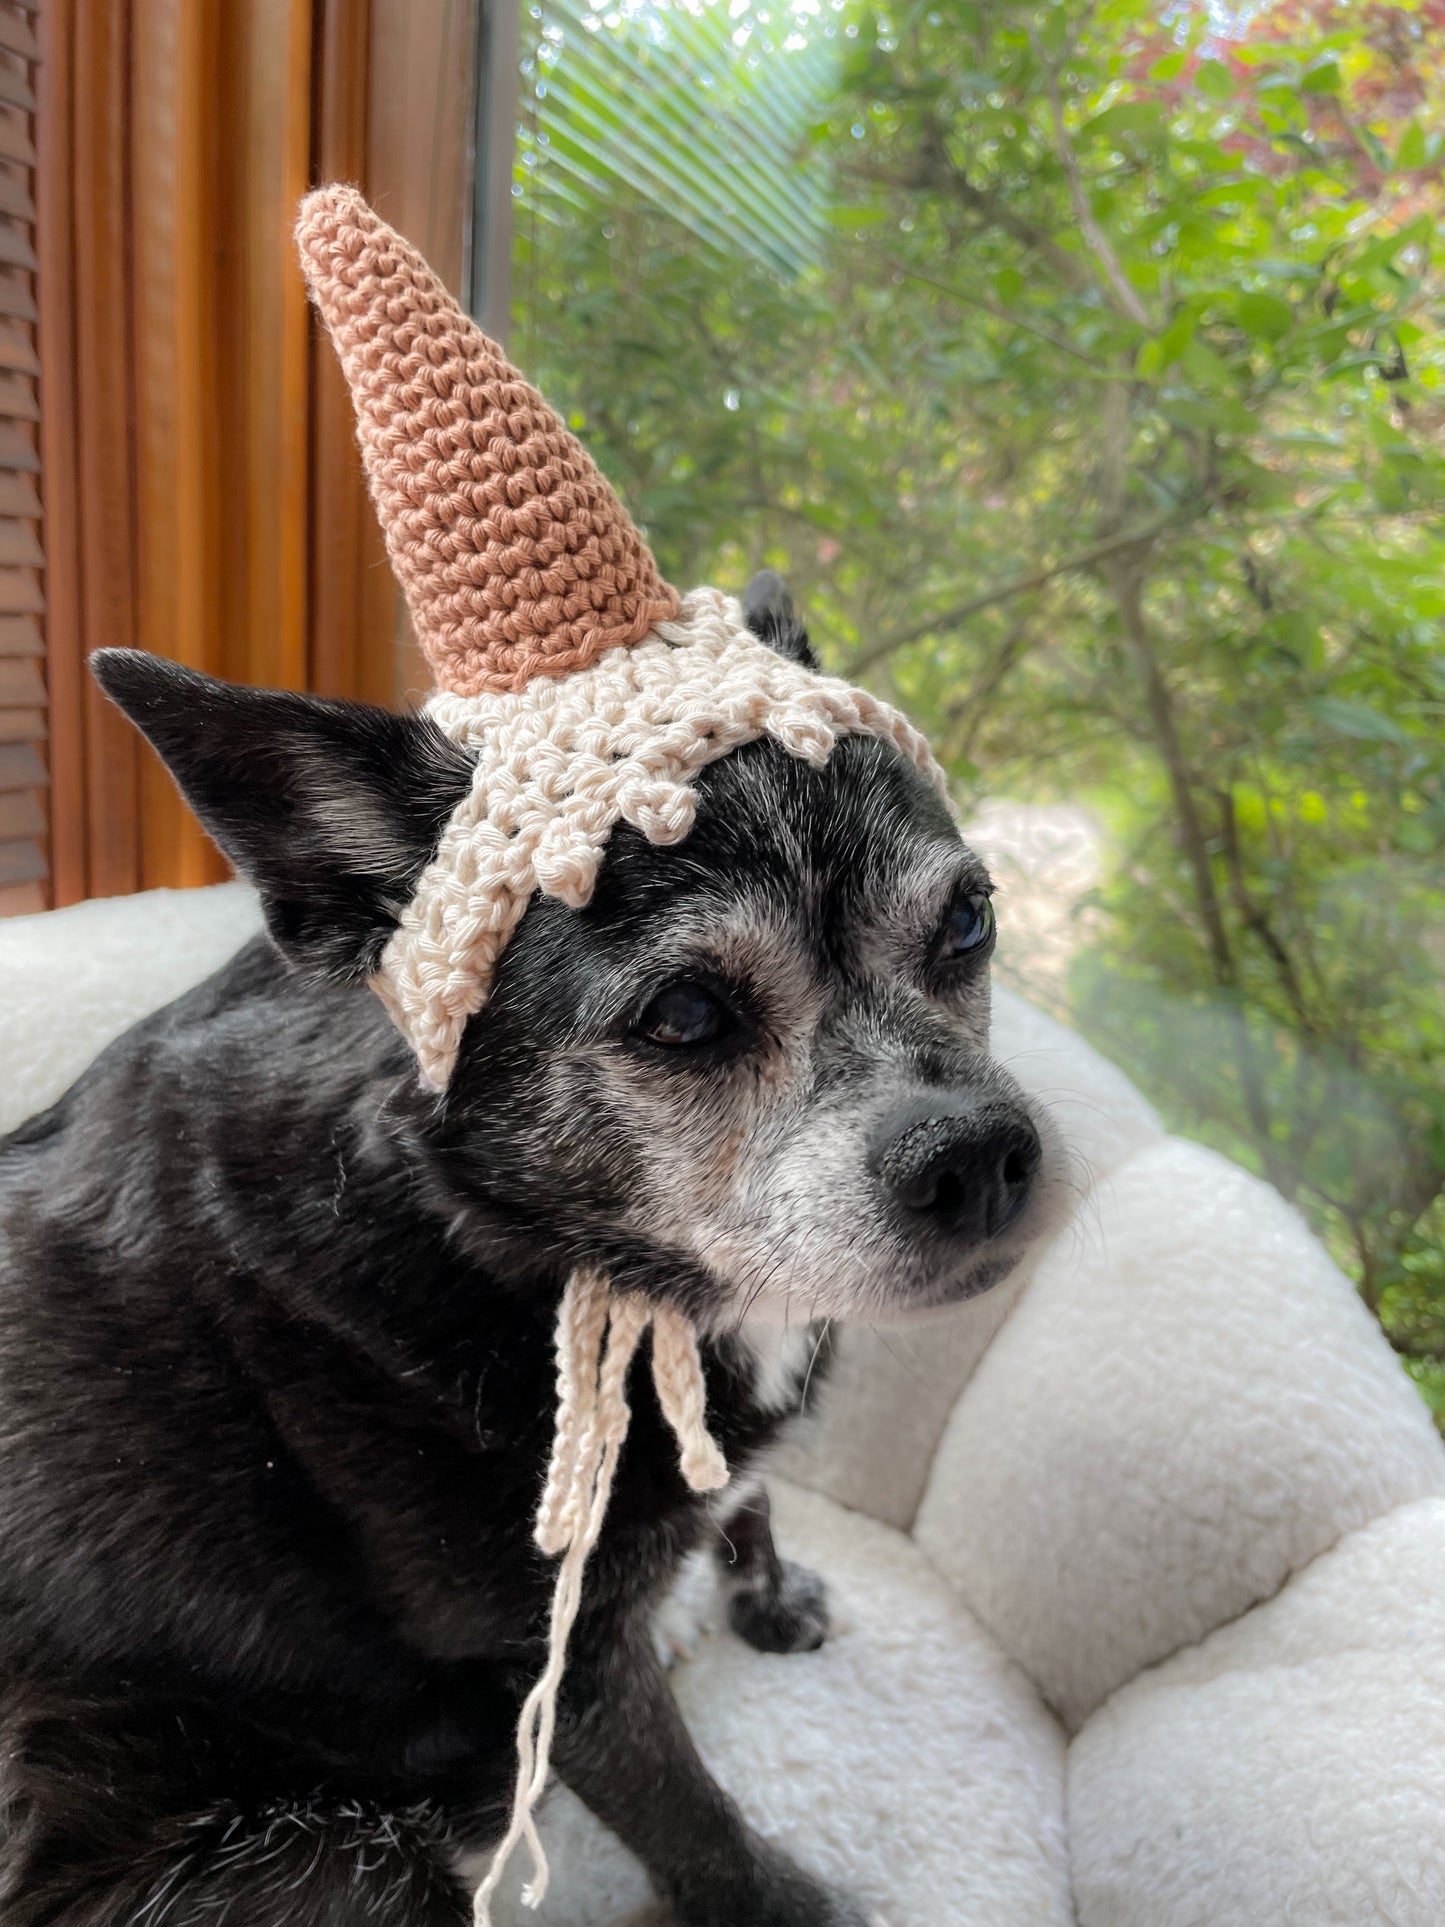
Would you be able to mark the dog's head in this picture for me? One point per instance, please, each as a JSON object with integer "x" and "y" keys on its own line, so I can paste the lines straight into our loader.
{"x": 752, "y": 1074}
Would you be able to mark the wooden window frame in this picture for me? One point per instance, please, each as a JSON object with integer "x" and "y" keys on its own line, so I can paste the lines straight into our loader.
{"x": 202, "y": 493}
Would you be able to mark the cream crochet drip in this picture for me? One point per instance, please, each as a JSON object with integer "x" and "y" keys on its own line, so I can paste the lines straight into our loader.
{"x": 562, "y": 760}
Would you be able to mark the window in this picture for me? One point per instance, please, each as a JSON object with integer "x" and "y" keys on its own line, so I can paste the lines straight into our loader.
{"x": 1083, "y": 370}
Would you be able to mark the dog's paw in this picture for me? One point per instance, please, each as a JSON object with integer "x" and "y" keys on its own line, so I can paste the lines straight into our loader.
{"x": 792, "y": 1617}
{"x": 688, "y": 1615}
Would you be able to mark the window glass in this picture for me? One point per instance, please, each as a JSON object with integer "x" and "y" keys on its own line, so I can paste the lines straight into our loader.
{"x": 1082, "y": 370}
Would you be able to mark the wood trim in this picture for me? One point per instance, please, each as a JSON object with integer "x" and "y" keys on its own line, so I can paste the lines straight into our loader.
{"x": 488, "y": 237}
{"x": 195, "y": 452}
{"x": 275, "y": 350}
{"x": 103, "y": 385}
{"x": 24, "y": 852}
{"x": 60, "y": 466}
{"x": 353, "y": 618}
{"x": 175, "y": 138}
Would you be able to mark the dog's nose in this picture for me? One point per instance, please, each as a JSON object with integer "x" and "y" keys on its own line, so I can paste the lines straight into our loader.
{"x": 958, "y": 1165}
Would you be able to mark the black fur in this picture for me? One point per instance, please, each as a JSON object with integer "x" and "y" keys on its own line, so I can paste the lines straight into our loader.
{"x": 342, "y": 803}
{"x": 276, "y": 1378}
{"x": 770, "y": 615}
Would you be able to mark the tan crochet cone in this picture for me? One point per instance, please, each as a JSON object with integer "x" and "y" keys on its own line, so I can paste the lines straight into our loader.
{"x": 516, "y": 558}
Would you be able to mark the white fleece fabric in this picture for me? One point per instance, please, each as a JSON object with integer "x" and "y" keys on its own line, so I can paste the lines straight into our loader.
{"x": 1189, "y": 1403}
{"x": 74, "y": 979}
{"x": 823, "y": 1752}
{"x": 1290, "y": 1769}
{"x": 1186, "y": 1430}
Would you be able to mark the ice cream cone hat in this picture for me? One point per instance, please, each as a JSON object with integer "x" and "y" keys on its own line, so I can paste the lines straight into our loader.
{"x": 586, "y": 687}
{"x": 588, "y": 692}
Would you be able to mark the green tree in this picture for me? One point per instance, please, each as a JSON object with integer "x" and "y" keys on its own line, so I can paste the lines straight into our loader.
{"x": 1097, "y": 411}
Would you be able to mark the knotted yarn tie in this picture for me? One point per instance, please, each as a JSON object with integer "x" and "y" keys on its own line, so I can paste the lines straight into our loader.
{"x": 598, "y": 1333}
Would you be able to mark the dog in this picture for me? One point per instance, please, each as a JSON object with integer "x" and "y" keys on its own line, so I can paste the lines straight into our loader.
{"x": 276, "y": 1365}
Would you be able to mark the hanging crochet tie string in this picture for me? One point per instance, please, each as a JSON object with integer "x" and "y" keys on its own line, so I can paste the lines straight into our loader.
{"x": 598, "y": 1333}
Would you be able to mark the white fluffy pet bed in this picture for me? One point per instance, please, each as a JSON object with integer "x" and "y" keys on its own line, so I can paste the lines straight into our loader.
{"x": 1142, "y": 1592}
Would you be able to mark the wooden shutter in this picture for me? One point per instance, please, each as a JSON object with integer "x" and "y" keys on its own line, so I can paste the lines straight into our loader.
{"x": 202, "y": 492}
{"x": 24, "y": 852}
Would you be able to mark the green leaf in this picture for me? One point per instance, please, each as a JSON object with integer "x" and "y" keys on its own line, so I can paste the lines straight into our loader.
{"x": 1387, "y": 438}
{"x": 1411, "y": 154}
{"x": 1206, "y": 368}
{"x": 1213, "y": 79}
{"x": 1357, "y": 719}
{"x": 1177, "y": 336}
{"x": 1008, "y": 285}
{"x": 1169, "y": 68}
{"x": 1322, "y": 78}
{"x": 1300, "y": 634}
{"x": 1264, "y": 315}
{"x": 1128, "y": 117}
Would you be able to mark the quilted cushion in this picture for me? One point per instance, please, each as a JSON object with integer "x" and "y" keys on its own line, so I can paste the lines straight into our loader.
{"x": 907, "y": 1760}
{"x": 1189, "y": 1403}
{"x": 1290, "y": 1769}
{"x": 75, "y": 979}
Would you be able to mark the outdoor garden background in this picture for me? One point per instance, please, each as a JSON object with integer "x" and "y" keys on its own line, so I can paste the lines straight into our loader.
{"x": 1082, "y": 368}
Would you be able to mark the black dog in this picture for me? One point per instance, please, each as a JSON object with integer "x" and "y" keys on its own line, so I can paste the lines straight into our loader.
{"x": 276, "y": 1373}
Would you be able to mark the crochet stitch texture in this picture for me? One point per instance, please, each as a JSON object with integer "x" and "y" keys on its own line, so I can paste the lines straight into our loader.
{"x": 516, "y": 557}
{"x": 559, "y": 763}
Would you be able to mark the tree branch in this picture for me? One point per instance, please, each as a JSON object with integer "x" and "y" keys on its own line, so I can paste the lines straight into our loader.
{"x": 970, "y": 708}
{"x": 1117, "y": 285}
{"x": 1006, "y": 315}
{"x": 1255, "y": 919}
{"x": 1110, "y": 545}
{"x": 1128, "y": 596}
{"x": 936, "y": 174}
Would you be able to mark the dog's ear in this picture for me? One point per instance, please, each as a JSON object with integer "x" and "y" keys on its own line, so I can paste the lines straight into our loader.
{"x": 768, "y": 612}
{"x": 331, "y": 809}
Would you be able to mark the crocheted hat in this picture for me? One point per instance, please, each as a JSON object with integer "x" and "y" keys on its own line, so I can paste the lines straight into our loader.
{"x": 586, "y": 689}
{"x": 588, "y": 693}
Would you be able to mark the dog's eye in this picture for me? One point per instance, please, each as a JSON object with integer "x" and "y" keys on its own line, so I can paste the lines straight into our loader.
{"x": 685, "y": 1014}
{"x": 967, "y": 928}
